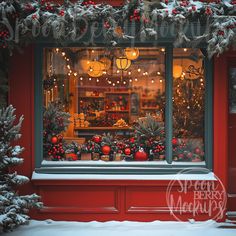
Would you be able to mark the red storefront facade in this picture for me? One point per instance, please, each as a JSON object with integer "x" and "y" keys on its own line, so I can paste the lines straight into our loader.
{"x": 118, "y": 198}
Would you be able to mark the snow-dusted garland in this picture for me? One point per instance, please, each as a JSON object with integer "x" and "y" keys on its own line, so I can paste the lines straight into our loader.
{"x": 22, "y": 22}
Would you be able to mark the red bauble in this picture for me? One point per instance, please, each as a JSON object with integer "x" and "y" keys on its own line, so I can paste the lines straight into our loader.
{"x": 106, "y": 150}
{"x": 174, "y": 141}
{"x": 181, "y": 156}
{"x": 140, "y": 156}
{"x": 127, "y": 151}
{"x": 197, "y": 150}
{"x": 132, "y": 140}
{"x": 72, "y": 156}
{"x": 97, "y": 139}
{"x": 54, "y": 139}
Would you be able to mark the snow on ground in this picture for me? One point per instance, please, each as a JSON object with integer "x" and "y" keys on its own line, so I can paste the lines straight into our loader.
{"x": 125, "y": 228}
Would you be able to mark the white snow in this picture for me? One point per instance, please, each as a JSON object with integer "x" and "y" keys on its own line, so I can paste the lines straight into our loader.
{"x": 125, "y": 228}
{"x": 40, "y": 176}
{"x": 113, "y": 163}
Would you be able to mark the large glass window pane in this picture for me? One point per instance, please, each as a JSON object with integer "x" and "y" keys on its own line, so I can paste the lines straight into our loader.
{"x": 188, "y": 105}
{"x": 104, "y": 104}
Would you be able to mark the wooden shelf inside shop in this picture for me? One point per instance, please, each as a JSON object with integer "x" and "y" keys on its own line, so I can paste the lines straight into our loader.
{"x": 97, "y": 97}
{"x": 149, "y": 108}
{"x": 117, "y": 93}
{"x": 117, "y": 111}
{"x": 104, "y": 128}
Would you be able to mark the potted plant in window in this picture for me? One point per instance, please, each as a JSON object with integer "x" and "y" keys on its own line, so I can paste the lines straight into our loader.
{"x": 149, "y": 136}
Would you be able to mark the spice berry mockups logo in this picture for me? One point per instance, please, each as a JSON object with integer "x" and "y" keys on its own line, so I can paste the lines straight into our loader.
{"x": 198, "y": 197}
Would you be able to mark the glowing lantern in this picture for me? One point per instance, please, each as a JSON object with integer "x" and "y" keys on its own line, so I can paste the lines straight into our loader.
{"x": 107, "y": 62}
{"x": 177, "y": 71}
{"x": 96, "y": 69}
{"x": 123, "y": 63}
{"x": 131, "y": 53}
{"x": 85, "y": 64}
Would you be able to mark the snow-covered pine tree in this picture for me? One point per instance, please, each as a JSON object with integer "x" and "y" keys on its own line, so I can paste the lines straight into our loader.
{"x": 13, "y": 207}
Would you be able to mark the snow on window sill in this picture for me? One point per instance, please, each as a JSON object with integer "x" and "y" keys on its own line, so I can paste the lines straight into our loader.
{"x": 115, "y": 163}
{"x": 40, "y": 176}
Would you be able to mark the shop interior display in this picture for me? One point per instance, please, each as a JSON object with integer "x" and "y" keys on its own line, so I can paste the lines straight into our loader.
{"x": 112, "y": 98}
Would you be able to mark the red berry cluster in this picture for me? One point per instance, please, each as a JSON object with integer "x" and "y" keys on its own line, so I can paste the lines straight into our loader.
{"x": 194, "y": 8}
{"x": 4, "y": 34}
{"x": 180, "y": 146}
{"x": 34, "y": 16}
{"x": 106, "y": 25}
{"x": 233, "y": 2}
{"x": 59, "y": 121}
{"x": 87, "y": 3}
{"x": 208, "y": 11}
{"x": 56, "y": 151}
{"x": 231, "y": 26}
{"x": 159, "y": 148}
{"x": 221, "y": 32}
{"x": 135, "y": 16}
{"x": 49, "y": 7}
{"x": 175, "y": 11}
{"x": 61, "y": 13}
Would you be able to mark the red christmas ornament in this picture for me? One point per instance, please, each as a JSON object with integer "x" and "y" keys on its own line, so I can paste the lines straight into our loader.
{"x": 106, "y": 150}
{"x": 208, "y": 11}
{"x": 72, "y": 156}
{"x": 97, "y": 139}
{"x": 174, "y": 141}
{"x": 181, "y": 156}
{"x": 61, "y": 13}
{"x": 132, "y": 140}
{"x": 34, "y": 17}
{"x": 127, "y": 151}
{"x": 140, "y": 155}
{"x": 54, "y": 139}
{"x": 197, "y": 150}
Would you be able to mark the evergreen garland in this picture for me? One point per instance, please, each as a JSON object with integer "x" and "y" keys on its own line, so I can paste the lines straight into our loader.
{"x": 24, "y": 21}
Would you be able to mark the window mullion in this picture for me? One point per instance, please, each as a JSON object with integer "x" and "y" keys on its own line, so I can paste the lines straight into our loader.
{"x": 169, "y": 104}
{"x": 208, "y": 112}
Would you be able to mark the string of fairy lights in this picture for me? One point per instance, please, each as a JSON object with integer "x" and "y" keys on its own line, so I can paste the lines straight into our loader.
{"x": 128, "y": 75}
{"x": 114, "y": 80}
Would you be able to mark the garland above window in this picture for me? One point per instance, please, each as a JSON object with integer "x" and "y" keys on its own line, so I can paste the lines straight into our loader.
{"x": 23, "y": 22}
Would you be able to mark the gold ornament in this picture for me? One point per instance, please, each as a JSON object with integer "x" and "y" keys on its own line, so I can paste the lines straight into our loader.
{"x": 132, "y": 53}
{"x": 96, "y": 69}
{"x": 177, "y": 71}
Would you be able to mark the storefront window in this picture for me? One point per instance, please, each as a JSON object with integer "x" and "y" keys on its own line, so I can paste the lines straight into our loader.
{"x": 188, "y": 105}
{"x": 110, "y": 105}
{"x": 104, "y": 104}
